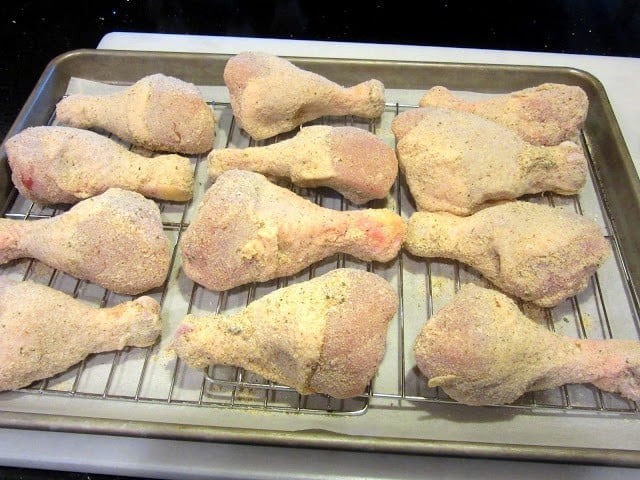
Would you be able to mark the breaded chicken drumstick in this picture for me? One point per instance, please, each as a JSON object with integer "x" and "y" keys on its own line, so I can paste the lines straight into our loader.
{"x": 326, "y": 335}
{"x": 270, "y": 95}
{"x": 158, "y": 112}
{"x": 65, "y": 165}
{"x": 349, "y": 160}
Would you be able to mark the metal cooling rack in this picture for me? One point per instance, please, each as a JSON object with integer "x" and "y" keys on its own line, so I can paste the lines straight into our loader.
{"x": 145, "y": 375}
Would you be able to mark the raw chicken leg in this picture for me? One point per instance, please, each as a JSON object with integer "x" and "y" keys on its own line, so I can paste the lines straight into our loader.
{"x": 538, "y": 253}
{"x": 326, "y": 335}
{"x": 114, "y": 239}
{"x": 250, "y": 230}
{"x": 544, "y": 115}
{"x": 157, "y": 112}
{"x": 45, "y": 331}
{"x": 65, "y": 165}
{"x": 482, "y": 350}
{"x": 458, "y": 162}
{"x": 270, "y": 95}
{"x": 349, "y": 160}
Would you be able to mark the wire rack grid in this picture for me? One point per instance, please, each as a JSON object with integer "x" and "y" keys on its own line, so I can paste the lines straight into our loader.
{"x": 424, "y": 286}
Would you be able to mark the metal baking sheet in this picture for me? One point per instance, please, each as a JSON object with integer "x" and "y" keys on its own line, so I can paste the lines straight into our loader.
{"x": 145, "y": 392}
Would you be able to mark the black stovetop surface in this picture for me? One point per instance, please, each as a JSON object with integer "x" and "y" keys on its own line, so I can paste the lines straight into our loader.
{"x": 36, "y": 31}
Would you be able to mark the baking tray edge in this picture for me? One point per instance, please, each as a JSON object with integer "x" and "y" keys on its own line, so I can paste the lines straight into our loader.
{"x": 322, "y": 439}
{"x": 619, "y": 184}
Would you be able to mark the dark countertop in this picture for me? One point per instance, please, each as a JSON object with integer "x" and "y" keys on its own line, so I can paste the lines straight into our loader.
{"x": 36, "y": 31}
